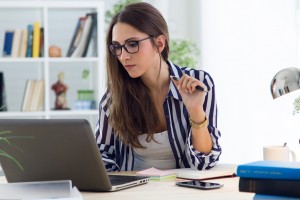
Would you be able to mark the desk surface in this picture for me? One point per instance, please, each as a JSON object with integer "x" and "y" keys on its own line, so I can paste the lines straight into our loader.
{"x": 167, "y": 190}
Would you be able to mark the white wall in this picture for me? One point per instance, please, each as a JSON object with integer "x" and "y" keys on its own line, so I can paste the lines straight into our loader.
{"x": 243, "y": 44}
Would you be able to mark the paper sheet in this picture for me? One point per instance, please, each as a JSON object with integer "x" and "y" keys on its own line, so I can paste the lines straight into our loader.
{"x": 44, "y": 190}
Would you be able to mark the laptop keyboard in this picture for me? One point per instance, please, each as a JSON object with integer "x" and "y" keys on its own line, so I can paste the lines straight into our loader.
{"x": 121, "y": 179}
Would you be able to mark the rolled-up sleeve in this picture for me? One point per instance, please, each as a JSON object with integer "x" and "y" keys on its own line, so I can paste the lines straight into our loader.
{"x": 201, "y": 160}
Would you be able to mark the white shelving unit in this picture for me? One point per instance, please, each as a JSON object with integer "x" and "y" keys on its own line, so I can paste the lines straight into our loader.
{"x": 59, "y": 19}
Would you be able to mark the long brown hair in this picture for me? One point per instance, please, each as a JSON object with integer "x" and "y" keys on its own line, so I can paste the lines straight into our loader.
{"x": 132, "y": 111}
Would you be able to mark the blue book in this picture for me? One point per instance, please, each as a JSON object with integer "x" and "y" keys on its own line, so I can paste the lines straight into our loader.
{"x": 273, "y": 197}
{"x": 29, "y": 41}
{"x": 8, "y": 40}
{"x": 270, "y": 170}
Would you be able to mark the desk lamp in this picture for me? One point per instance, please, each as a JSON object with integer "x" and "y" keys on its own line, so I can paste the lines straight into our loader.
{"x": 285, "y": 81}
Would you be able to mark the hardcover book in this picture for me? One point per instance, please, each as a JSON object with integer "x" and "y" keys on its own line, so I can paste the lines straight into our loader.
{"x": 15, "y": 51}
{"x": 76, "y": 36}
{"x": 92, "y": 31}
{"x": 29, "y": 41}
{"x": 279, "y": 187}
{"x": 3, "y": 106}
{"x": 78, "y": 52}
{"x": 8, "y": 40}
{"x": 36, "y": 40}
{"x": 270, "y": 170}
{"x": 23, "y": 45}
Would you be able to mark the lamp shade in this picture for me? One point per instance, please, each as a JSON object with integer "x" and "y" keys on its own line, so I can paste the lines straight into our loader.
{"x": 285, "y": 81}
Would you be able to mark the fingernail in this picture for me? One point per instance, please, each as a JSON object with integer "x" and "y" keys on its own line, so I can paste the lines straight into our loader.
{"x": 175, "y": 78}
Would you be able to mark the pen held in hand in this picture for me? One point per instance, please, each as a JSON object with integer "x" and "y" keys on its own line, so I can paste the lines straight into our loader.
{"x": 198, "y": 87}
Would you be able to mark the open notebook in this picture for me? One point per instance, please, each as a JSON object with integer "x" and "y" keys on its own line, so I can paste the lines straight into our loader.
{"x": 58, "y": 149}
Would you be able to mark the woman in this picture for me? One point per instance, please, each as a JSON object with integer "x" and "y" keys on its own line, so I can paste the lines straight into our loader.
{"x": 152, "y": 115}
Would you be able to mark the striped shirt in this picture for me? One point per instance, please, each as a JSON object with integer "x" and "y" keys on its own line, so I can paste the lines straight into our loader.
{"x": 118, "y": 156}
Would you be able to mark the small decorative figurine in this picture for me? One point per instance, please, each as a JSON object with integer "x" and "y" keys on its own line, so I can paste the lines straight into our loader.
{"x": 60, "y": 90}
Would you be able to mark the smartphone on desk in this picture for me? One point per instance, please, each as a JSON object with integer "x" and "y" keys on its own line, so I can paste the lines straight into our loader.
{"x": 200, "y": 185}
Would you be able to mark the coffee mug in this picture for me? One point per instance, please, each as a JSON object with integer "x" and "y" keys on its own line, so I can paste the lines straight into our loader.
{"x": 278, "y": 153}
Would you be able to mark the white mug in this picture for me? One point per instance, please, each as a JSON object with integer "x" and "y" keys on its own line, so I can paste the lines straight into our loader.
{"x": 278, "y": 153}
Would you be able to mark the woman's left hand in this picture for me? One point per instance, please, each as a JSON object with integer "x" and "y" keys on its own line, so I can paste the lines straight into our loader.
{"x": 192, "y": 98}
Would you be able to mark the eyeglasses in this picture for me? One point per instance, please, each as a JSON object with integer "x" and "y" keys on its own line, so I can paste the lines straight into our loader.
{"x": 130, "y": 46}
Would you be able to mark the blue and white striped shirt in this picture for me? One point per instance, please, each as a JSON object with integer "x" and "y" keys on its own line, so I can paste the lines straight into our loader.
{"x": 120, "y": 157}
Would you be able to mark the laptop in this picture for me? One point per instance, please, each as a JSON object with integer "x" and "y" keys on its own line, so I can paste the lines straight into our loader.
{"x": 58, "y": 149}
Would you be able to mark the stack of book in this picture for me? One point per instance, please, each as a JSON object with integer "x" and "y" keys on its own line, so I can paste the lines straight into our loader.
{"x": 21, "y": 43}
{"x": 85, "y": 32}
{"x": 277, "y": 178}
{"x": 156, "y": 174}
{"x": 33, "y": 99}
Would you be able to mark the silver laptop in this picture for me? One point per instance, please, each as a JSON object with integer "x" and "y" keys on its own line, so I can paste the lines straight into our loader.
{"x": 58, "y": 149}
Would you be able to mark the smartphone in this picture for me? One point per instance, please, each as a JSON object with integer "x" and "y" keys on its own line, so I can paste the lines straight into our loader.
{"x": 200, "y": 185}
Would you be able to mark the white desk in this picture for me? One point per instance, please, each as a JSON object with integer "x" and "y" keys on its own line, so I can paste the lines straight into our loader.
{"x": 167, "y": 190}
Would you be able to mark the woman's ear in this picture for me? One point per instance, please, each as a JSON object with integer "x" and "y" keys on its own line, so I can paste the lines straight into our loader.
{"x": 160, "y": 43}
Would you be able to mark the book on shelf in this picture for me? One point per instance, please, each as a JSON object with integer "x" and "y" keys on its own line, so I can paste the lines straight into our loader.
{"x": 280, "y": 187}
{"x": 36, "y": 39}
{"x": 84, "y": 35}
{"x": 23, "y": 45}
{"x": 270, "y": 169}
{"x": 76, "y": 36}
{"x": 33, "y": 96}
{"x": 78, "y": 52}
{"x": 29, "y": 40}
{"x": 92, "y": 34}
{"x": 26, "y": 96}
{"x": 3, "y": 106}
{"x": 15, "y": 51}
{"x": 8, "y": 41}
{"x": 41, "y": 49}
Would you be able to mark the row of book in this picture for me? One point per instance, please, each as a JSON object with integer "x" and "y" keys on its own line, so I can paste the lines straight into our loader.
{"x": 276, "y": 178}
{"x": 21, "y": 43}
{"x": 34, "y": 95}
{"x": 84, "y": 35}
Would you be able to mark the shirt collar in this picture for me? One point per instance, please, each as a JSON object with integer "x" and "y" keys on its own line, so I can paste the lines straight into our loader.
{"x": 177, "y": 72}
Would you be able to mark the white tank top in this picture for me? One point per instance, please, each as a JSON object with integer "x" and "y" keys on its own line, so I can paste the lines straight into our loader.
{"x": 156, "y": 154}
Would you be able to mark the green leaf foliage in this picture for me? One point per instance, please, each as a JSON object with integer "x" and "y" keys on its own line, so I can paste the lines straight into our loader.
{"x": 184, "y": 53}
{"x": 117, "y": 7}
{"x": 5, "y": 138}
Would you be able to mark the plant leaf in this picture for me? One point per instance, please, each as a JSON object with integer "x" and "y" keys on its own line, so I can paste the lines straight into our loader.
{"x": 3, "y": 153}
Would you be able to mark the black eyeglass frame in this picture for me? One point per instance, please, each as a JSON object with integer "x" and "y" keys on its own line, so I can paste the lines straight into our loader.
{"x": 111, "y": 46}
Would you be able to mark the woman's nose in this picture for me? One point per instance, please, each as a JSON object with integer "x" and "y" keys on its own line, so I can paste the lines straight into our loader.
{"x": 124, "y": 55}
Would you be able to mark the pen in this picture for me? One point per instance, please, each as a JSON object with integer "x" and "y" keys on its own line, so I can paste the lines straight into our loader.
{"x": 198, "y": 87}
{"x": 210, "y": 178}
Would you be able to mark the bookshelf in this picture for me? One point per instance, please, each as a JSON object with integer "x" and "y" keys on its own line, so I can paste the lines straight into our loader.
{"x": 58, "y": 19}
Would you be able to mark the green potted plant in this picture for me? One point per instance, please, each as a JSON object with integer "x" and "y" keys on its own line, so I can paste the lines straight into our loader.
{"x": 296, "y": 105}
{"x": 183, "y": 52}
{"x": 5, "y": 139}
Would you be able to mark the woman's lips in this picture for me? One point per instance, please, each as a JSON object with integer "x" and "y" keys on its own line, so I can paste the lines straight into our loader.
{"x": 129, "y": 66}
